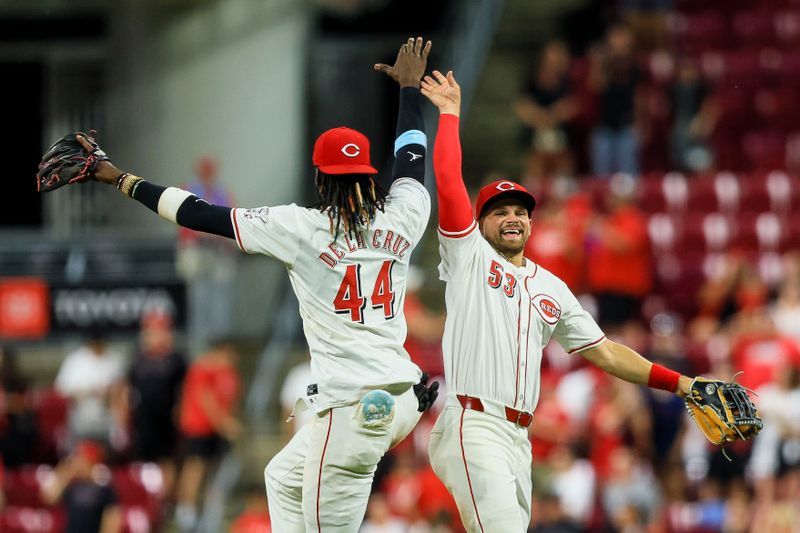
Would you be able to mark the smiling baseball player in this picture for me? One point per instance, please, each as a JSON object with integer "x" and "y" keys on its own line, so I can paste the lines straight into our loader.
{"x": 502, "y": 309}
{"x": 347, "y": 259}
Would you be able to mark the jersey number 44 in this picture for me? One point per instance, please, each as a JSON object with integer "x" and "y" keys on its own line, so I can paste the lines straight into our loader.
{"x": 351, "y": 300}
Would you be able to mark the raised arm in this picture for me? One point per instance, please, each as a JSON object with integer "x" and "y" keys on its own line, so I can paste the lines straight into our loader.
{"x": 176, "y": 205}
{"x": 455, "y": 207}
{"x": 410, "y": 144}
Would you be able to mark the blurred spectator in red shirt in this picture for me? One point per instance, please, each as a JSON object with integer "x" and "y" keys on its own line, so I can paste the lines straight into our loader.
{"x": 545, "y": 107}
{"x": 758, "y": 348}
{"x": 254, "y": 518}
{"x": 208, "y": 422}
{"x": 619, "y": 264}
{"x": 556, "y": 243}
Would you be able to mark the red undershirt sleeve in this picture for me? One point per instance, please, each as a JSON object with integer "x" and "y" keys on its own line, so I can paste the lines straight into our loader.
{"x": 455, "y": 207}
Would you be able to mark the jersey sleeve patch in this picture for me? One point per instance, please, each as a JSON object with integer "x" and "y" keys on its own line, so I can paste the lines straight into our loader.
{"x": 270, "y": 231}
{"x": 548, "y": 308}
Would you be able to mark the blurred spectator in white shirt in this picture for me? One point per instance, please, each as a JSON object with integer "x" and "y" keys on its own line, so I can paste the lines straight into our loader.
{"x": 91, "y": 377}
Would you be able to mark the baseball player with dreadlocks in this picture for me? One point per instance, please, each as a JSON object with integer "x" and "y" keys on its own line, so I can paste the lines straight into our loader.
{"x": 347, "y": 259}
{"x": 502, "y": 309}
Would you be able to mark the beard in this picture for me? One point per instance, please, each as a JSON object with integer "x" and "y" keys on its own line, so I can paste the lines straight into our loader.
{"x": 508, "y": 248}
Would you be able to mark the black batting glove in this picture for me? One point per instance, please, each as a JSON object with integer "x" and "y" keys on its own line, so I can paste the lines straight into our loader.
{"x": 426, "y": 394}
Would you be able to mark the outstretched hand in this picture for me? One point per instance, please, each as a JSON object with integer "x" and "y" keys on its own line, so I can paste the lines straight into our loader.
{"x": 443, "y": 92}
{"x": 105, "y": 172}
{"x": 410, "y": 64}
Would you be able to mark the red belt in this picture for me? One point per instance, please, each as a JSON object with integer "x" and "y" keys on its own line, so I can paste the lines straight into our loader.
{"x": 520, "y": 418}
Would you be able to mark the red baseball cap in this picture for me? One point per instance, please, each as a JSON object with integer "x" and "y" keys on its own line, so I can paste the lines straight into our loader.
{"x": 343, "y": 151}
{"x": 499, "y": 188}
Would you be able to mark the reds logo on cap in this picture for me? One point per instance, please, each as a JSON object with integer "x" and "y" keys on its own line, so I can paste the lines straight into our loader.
{"x": 548, "y": 308}
{"x": 351, "y": 150}
{"x": 489, "y": 192}
{"x": 343, "y": 151}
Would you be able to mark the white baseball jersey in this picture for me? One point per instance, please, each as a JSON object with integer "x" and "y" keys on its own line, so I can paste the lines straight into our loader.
{"x": 351, "y": 292}
{"x": 499, "y": 317}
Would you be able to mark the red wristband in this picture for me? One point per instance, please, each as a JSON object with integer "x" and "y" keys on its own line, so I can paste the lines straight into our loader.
{"x": 663, "y": 378}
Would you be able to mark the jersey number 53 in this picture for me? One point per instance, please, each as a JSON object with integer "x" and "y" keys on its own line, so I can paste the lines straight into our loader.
{"x": 349, "y": 298}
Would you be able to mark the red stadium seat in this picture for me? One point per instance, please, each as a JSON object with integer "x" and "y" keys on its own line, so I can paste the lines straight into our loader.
{"x": 765, "y": 150}
{"x": 136, "y": 519}
{"x": 663, "y": 232}
{"x": 702, "y": 195}
{"x": 651, "y": 196}
{"x": 32, "y": 520}
{"x": 140, "y": 486}
{"x": 742, "y": 68}
{"x": 776, "y": 108}
{"x": 755, "y": 196}
{"x": 51, "y": 414}
{"x": 695, "y": 32}
{"x": 22, "y": 485}
{"x": 753, "y": 29}
{"x": 787, "y": 28}
{"x": 678, "y": 278}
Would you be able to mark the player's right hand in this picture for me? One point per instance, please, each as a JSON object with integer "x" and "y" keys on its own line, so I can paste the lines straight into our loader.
{"x": 410, "y": 64}
{"x": 443, "y": 92}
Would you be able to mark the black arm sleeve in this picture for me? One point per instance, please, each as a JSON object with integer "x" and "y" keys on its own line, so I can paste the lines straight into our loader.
{"x": 410, "y": 147}
{"x": 194, "y": 213}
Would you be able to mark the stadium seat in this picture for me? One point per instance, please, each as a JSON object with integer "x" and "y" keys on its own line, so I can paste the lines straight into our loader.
{"x": 32, "y": 520}
{"x": 22, "y": 485}
{"x": 765, "y": 150}
{"x": 140, "y": 485}
{"x": 753, "y": 29}
{"x": 678, "y": 277}
{"x": 787, "y": 28}
{"x": 663, "y": 232}
{"x": 695, "y": 32}
{"x": 702, "y": 195}
{"x": 651, "y": 197}
{"x": 755, "y": 197}
{"x": 136, "y": 519}
{"x": 51, "y": 414}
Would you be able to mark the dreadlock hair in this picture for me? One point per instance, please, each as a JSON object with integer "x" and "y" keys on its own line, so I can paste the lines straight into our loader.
{"x": 349, "y": 200}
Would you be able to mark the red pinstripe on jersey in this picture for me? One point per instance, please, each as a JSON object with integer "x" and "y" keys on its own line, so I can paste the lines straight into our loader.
{"x": 516, "y": 375}
{"x": 527, "y": 339}
{"x": 466, "y": 468}
{"x": 321, "y": 462}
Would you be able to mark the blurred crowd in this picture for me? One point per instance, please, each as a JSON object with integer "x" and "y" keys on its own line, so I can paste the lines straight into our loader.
{"x": 116, "y": 444}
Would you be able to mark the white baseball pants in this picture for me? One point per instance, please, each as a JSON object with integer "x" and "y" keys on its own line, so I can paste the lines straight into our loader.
{"x": 321, "y": 480}
{"x": 485, "y": 463}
